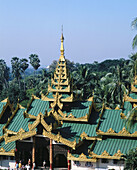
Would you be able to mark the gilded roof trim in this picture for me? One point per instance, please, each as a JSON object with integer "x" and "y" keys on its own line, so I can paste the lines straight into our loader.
{"x": 130, "y": 99}
{"x": 85, "y": 136}
{"x": 13, "y": 114}
{"x": 81, "y": 157}
{"x": 105, "y": 155}
{"x": 111, "y": 132}
{"x": 133, "y": 88}
{"x": 5, "y": 107}
{"x": 9, "y": 153}
{"x": 60, "y": 139}
{"x": 27, "y": 115}
{"x": 40, "y": 119}
{"x": 20, "y": 135}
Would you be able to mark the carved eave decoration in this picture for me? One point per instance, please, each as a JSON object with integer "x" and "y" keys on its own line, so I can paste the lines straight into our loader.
{"x": 1, "y": 138}
{"x": 9, "y": 153}
{"x": 13, "y": 114}
{"x": 20, "y": 135}
{"x": 8, "y": 103}
{"x": 68, "y": 99}
{"x": 58, "y": 89}
{"x": 45, "y": 98}
{"x": 90, "y": 99}
{"x": 5, "y": 107}
{"x": 81, "y": 157}
{"x": 61, "y": 83}
{"x": 123, "y": 116}
{"x": 117, "y": 108}
{"x": 72, "y": 118}
{"x": 133, "y": 88}
{"x": 40, "y": 119}
{"x": 55, "y": 115}
{"x": 57, "y": 98}
{"x": 85, "y": 136}
{"x": 9, "y": 132}
{"x": 134, "y": 105}
{"x": 123, "y": 132}
{"x": 60, "y": 139}
{"x": 105, "y": 155}
{"x": 130, "y": 99}
{"x": 61, "y": 113}
{"x": 27, "y": 115}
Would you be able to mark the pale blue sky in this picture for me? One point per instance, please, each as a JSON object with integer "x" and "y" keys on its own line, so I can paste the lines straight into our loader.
{"x": 94, "y": 30}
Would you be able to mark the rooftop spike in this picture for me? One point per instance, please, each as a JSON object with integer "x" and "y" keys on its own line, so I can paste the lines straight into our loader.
{"x": 62, "y": 58}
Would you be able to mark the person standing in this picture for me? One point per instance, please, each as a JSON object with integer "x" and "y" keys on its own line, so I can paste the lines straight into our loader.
{"x": 33, "y": 166}
{"x": 16, "y": 165}
{"x": 20, "y": 165}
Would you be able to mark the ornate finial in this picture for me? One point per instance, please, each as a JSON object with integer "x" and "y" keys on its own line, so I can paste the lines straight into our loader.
{"x": 62, "y": 47}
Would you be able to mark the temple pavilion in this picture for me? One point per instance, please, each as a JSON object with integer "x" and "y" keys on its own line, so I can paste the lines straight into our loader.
{"x": 65, "y": 131}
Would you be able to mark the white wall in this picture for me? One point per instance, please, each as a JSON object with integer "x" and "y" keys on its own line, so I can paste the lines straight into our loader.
{"x": 82, "y": 166}
{"x": 4, "y": 163}
{"x": 98, "y": 165}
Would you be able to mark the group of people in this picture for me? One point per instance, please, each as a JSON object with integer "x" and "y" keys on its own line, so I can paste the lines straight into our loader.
{"x": 28, "y": 166}
{"x": 19, "y": 166}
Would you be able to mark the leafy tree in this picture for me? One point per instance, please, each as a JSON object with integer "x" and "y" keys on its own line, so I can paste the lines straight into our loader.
{"x": 131, "y": 160}
{"x": 16, "y": 68}
{"x": 34, "y": 61}
{"x": 134, "y": 26}
{"x": 24, "y": 66}
{"x": 82, "y": 79}
{"x": 4, "y": 73}
{"x": 15, "y": 92}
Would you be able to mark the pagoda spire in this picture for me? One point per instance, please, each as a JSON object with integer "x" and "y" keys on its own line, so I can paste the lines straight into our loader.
{"x": 62, "y": 57}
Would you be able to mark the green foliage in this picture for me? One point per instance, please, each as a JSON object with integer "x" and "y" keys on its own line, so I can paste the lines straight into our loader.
{"x": 134, "y": 26}
{"x": 108, "y": 80}
{"x": 131, "y": 118}
{"x": 16, "y": 69}
{"x": 34, "y": 61}
{"x": 24, "y": 64}
{"x": 131, "y": 160}
{"x": 4, "y": 74}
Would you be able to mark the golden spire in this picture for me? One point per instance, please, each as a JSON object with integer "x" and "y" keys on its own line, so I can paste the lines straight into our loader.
{"x": 62, "y": 58}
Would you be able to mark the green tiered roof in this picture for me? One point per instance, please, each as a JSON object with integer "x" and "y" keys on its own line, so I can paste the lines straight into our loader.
{"x": 111, "y": 119}
{"x": 111, "y": 146}
{"x": 91, "y": 134}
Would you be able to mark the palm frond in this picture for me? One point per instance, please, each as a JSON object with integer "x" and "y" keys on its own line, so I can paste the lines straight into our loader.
{"x": 134, "y": 43}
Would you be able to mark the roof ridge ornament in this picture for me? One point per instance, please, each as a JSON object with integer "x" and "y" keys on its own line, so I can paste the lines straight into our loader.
{"x": 62, "y": 57}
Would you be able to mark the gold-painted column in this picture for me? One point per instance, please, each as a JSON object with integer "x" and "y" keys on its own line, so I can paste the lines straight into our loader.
{"x": 51, "y": 159}
{"x": 33, "y": 150}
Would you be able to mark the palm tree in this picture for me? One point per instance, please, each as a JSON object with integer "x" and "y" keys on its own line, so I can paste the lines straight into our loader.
{"x": 16, "y": 68}
{"x": 83, "y": 81}
{"x": 34, "y": 61}
{"x": 131, "y": 118}
{"x": 102, "y": 92}
{"x": 24, "y": 66}
{"x": 134, "y": 26}
{"x": 4, "y": 73}
{"x": 118, "y": 87}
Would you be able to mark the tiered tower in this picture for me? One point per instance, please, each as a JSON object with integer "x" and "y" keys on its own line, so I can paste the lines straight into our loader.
{"x": 60, "y": 88}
